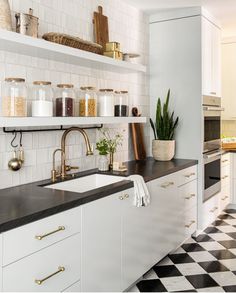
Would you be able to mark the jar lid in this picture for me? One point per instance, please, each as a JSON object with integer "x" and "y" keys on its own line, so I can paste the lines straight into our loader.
{"x": 14, "y": 79}
{"x": 106, "y": 90}
{"x": 38, "y": 82}
{"x": 90, "y": 88}
{"x": 65, "y": 85}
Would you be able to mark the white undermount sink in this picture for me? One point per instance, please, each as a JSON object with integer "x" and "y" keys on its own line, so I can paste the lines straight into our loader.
{"x": 86, "y": 183}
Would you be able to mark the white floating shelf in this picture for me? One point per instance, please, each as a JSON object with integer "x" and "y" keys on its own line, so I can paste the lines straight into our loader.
{"x": 21, "y": 44}
{"x": 57, "y": 121}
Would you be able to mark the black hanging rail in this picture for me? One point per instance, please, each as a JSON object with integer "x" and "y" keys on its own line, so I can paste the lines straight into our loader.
{"x": 7, "y": 130}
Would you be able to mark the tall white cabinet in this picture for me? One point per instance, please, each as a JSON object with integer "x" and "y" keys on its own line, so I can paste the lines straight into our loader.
{"x": 211, "y": 58}
{"x": 185, "y": 56}
{"x": 229, "y": 78}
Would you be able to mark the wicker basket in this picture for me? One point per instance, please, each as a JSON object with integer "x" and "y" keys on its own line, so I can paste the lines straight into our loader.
{"x": 73, "y": 42}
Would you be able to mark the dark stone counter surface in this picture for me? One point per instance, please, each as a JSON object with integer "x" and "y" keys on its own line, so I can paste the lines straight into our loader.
{"x": 30, "y": 202}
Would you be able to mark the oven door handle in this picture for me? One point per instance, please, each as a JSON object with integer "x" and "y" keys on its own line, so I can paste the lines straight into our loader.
{"x": 216, "y": 154}
{"x": 207, "y": 108}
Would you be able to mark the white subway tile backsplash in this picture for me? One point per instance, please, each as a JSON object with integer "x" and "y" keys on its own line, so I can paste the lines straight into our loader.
{"x": 126, "y": 25}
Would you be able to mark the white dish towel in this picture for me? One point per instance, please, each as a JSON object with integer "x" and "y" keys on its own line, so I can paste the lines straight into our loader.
{"x": 141, "y": 193}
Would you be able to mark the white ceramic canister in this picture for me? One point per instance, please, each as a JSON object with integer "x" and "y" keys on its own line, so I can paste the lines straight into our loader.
{"x": 42, "y": 104}
{"x": 106, "y": 103}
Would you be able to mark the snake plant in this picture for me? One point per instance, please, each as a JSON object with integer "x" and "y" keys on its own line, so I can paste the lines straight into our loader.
{"x": 165, "y": 124}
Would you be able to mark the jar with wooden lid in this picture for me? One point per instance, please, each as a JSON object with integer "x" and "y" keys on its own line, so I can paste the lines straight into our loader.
{"x": 65, "y": 100}
{"x": 42, "y": 103}
{"x": 88, "y": 102}
{"x": 121, "y": 104}
{"x": 14, "y": 97}
{"x": 106, "y": 103}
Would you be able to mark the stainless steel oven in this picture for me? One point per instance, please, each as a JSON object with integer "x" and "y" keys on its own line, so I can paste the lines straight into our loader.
{"x": 212, "y": 123}
{"x": 212, "y": 173}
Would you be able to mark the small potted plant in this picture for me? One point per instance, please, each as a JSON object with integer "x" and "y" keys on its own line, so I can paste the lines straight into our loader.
{"x": 109, "y": 143}
{"x": 103, "y": 149}
{"x": 163, "y": 145}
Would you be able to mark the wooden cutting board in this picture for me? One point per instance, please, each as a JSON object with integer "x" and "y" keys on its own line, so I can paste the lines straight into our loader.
{"x": 138, "y": 139}
{"x": 101, "y": 31}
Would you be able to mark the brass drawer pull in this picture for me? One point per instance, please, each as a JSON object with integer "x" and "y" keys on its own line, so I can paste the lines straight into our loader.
{"x": 40, "y": 237}
{"x": 224, "y": 177}
{"x": 165, "y": 185}
{"x": 188, "y": 226}
{"x": 190, "y": 175}
{"x": 225, "y": 161}
{"x": 214, "y": 209}
{"x": 60, "y": 270}
{"x": 191, "y": 196}
{"x": 126, "y": 196}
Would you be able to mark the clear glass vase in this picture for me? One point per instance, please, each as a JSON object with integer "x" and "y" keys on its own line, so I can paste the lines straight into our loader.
{"x": 103, "y": 163}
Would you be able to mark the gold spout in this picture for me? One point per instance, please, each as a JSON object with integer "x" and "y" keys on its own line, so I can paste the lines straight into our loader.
{"x": 89, "y": 151}
{"x": 54, "y": 173}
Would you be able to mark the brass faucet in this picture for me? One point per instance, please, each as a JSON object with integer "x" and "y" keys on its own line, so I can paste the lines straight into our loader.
{"x": 54, "y": 173}
{"x": 64, "y": 167}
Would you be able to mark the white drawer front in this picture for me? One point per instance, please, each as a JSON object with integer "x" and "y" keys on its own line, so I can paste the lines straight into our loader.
{"x": 187, "y": 175}
{"x": 224, "y": 198}
{"x": 225, "y": 160}
{"x": 191, "y": 221}
{"x": 26, "y": 274}
{"x": 225, "y": 175}
{"x": 74, "y": 288}
{"x": 189, "y": 193}
{"x": 166, "y": 183}
{"x": 210, "y": 210}
{"x": 22, "y": 241}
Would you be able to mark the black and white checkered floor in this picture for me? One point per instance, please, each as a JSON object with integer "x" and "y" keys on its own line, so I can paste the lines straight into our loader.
{"x": 203, "y": 264}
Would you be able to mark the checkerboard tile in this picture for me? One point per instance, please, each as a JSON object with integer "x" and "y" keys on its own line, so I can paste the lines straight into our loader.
{"x": 206, "y": 263}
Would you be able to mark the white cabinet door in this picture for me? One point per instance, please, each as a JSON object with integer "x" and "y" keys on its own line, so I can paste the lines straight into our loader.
{"x": 229, "y": 81}
{"x": 211, "y": 58}
{"x": 216, "y": 61}
{"x": 101, "y": 245}
{"x": 206, "y": 56}
{"x": 167, "y": 220}
{"x": 136, "y": 240}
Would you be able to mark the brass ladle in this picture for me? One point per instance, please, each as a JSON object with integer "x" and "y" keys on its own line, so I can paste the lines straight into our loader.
{"x": 16, "y": 162}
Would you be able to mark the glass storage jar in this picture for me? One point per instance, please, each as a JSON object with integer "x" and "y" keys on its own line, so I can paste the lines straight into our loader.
{"x": 106, "y": 103}
{"x": 121, "y": 104}
{"x": 42, "y": 103}
{"x": 88, "y": 102}
{"x": 14, "y": 97}
{"x": 65, "y": 100}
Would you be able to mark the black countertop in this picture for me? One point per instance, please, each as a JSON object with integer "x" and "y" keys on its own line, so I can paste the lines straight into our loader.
{"x": 30, "y": 202}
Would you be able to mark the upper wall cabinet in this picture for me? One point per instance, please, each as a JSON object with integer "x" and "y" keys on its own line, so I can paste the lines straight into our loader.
{"x": 229, "y": 80}
{"x": 211, "y": 58}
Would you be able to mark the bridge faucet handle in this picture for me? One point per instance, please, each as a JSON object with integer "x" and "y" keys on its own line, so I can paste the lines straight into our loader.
{"x": 69, "y": 168}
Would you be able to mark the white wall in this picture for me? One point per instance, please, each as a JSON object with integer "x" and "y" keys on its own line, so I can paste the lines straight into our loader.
{"x": 127, "y": 26}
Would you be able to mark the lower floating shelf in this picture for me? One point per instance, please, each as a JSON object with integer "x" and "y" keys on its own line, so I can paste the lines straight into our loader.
{"x": 57, "y": 121}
